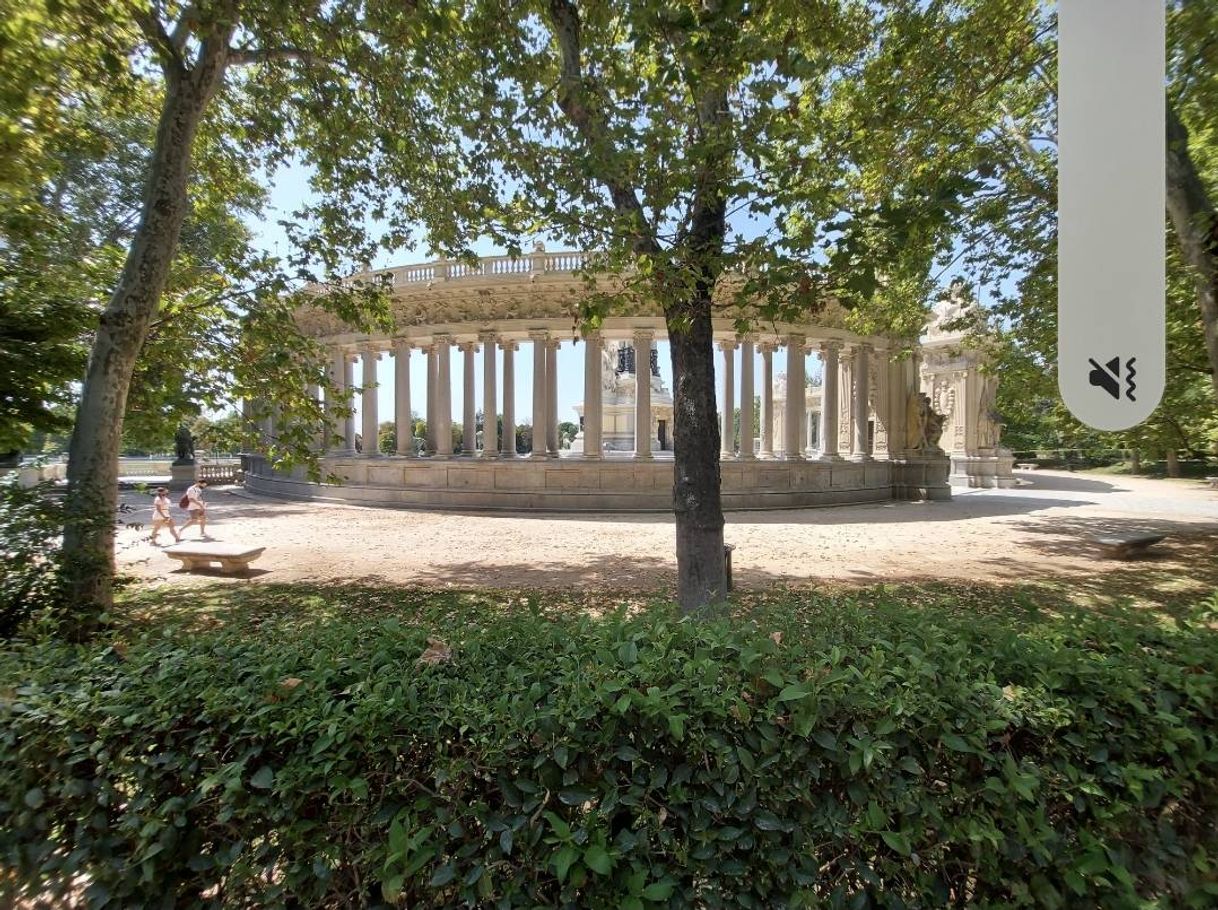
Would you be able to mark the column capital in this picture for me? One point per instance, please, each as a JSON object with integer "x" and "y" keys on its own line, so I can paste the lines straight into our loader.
{"x": 747, "y": 338}
{"x": 832, "y": 346}
{"x": 488, "y": 337}
{"x": 539, "y": 336}
{"x": 767, "y": 347}
{"x": 468, "y": 347}
{"x": 643, "y": 334}
{"x": 795, "y": 339}
{"x": 507, "y": 344}
{"x": 864, "y": 347}
{"x": 402, "y": 345}
{"x": 370, "y": 350}
{"x": 554, "y": 343}
{"x": 727, "y": 345}
{"x": 441, "y": 339}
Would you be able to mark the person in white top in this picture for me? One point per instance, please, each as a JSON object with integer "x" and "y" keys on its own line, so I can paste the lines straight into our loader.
{"x": 162, "y": 517}
{"x": 197, "y": 508}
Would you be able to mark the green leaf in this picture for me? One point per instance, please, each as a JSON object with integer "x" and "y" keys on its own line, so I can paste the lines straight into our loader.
{"x": 598, "y": 860}
{"x": 897, "y": 841}
{"x": 955, "y": 743}
{"x": 658, "y": 891}
{"x": 505, "y": 841}
{"x": 443, "y": 875}
{"x": 34, "y": 798}
{"x": 563, "y": 860}
{"x": 263, "y": 778}
{"x": 795, "y": 692}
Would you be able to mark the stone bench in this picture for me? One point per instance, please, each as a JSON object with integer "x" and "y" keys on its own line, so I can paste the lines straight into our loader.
{"x": 1026, "y": 466}
{"x": 1126, "y": 546}
{"x": 232, "y": 557}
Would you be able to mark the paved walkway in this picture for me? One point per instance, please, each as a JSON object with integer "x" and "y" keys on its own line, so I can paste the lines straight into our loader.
{"x": 1041, "y": 528}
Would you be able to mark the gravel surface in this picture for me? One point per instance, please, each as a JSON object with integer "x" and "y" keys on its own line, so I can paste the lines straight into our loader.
{"x": 1041, "y": 528}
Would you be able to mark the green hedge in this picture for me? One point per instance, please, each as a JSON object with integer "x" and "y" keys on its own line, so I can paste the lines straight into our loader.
{"x": 878, "y": 755}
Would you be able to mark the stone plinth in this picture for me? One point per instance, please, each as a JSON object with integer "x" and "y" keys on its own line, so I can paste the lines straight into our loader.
{"x": 182, "y": 474}
{"x": 984, "y": 471}
{"x": 921, "y": 476}
{"x": 615, "y": 483}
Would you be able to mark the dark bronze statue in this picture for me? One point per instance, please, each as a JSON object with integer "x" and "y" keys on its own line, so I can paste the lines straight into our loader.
{"x": 184, "y": 444}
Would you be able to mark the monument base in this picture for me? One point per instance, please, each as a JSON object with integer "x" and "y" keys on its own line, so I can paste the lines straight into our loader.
{"x": 994, "y": 470}
{"x": 182, "y": 476}
{"x": 921, "y": 476}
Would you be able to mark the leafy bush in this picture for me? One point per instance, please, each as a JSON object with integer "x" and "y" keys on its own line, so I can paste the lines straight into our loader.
{"x": 817, "y": 752}
{"x": 31, "y": 525}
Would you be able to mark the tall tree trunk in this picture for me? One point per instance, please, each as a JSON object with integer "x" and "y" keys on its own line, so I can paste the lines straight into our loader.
{"x": 1192, "y": 215}
{"x": 92, "y": 500}
{"x": 1173, "y": 463}
{"x": 701, "y": 580}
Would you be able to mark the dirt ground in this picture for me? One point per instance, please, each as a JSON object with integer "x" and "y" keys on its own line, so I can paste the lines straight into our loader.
{"x": 1043, "y": 528}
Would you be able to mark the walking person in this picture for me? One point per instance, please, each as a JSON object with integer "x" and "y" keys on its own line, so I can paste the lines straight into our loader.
{"x": 197, "y": 508}
{"x": 162, "y": 517}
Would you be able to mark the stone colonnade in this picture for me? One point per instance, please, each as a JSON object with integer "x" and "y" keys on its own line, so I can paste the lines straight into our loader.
{"x": 861, "y": 413}
{"x": 499, "y": 371}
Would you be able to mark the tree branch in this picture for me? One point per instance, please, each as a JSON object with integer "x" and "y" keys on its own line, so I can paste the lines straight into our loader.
{"x": 249, "y": 56}
{"x": 574, "y": 103}
{"x": 165, "y": 48}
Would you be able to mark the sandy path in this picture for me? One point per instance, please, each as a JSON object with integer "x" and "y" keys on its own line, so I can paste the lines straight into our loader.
{"x": 1041, "y": 527}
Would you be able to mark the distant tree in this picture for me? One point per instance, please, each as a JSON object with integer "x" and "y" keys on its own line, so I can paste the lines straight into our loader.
{"x": 387, "y": 438}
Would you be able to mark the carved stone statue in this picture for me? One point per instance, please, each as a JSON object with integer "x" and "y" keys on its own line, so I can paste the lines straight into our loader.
{"x": 948, "y": 312}
{"x": 989, "y": 421}
{"x": 184, "y": 446}
{"x": 924, "y": 425}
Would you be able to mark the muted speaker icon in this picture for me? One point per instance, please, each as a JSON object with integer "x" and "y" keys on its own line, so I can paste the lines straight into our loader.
{"x": 1108, "y": 376}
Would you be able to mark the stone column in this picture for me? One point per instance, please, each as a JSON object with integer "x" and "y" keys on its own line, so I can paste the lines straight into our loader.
{"x": 403, "y": 423}
{"x": 830, "y": 352}
{"x": 767, "y": 400}
{"x": 343, "y": 427}
{"x": 642, "y": 393}
{"x": 490, "y": 412}
{"x": 593, "y": 416}
{"x": 727, "y": 417}
{"x": 883, "y": 406}
{"x": 469, "y": 427}
{"x": 541, "y": 407}
{"x": 552, "y": 397}
{"x": 429, "y": 443}
{"x": 444, "y": 395}
{"x": 507, "y": 445}
{"x": 793, "y": 419}
{"x": 898, "y": 402}
{"x": 747, "y": 377}
{"x": 368, "y": 414}
{"x": 313, "y": 390}
{"x": 860, "y": 450}
{"x": 845, "y": 403}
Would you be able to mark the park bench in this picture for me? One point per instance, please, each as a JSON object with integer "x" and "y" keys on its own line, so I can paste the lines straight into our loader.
{"x": 1026, "y": 466}
{"x": 232, "y": 557}
{"x": 1125, "y": 546}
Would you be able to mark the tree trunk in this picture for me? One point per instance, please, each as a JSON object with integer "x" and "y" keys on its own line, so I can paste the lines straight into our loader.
{"x": 701, "y": 578}
{"x": 92, "y": 500}
{"x": 1192, "y": 215}
{"x": 1173, "y": 463}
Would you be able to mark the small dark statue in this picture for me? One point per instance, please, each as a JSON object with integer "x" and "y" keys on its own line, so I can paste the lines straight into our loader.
{"x": 184, "y": 444}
